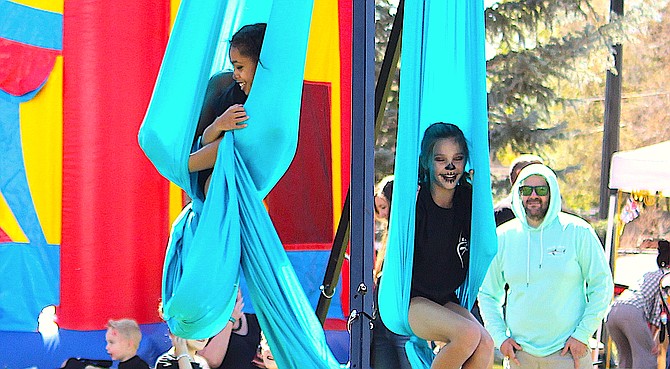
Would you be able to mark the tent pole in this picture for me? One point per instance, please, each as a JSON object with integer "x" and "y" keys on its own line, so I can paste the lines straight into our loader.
{"x": 612, "y": 115}
{"x": 610, "y": 251}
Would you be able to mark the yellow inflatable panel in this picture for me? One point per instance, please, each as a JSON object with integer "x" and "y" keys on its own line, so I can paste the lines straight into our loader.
{"x": 9, "y": 224}
{"x": 42, "y": 142}
{"x": 49, "y": 5}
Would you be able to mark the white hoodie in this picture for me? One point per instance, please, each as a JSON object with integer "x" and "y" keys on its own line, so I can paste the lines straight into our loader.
{"x": 559, "y": 280}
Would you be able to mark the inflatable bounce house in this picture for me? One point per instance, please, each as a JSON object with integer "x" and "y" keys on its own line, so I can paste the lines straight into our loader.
{"x": 84, "y": 215}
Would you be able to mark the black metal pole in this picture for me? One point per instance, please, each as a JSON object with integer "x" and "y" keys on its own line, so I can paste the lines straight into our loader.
{"x": 612, "y": 117}
{"x": 334, "y": 267}
{"x": 362, "y": 182}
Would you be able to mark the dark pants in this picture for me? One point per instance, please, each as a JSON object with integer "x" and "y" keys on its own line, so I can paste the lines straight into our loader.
{"x": 388, "y": 348}
{"x": 628, "y": 328}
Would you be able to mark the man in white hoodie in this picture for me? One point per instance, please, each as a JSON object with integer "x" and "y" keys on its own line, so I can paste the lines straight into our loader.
{"x": 559, "y": 280}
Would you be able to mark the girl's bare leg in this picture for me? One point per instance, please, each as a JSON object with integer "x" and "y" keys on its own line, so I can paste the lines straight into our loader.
{"x": 468, "y": 345}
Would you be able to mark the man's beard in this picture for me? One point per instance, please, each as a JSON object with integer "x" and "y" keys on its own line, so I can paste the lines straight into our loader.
{"x": 537, "y": 211}
{"x": 537, "y": 214}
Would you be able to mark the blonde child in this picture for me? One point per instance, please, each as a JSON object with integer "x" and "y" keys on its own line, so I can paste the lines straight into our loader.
{"x": 123, "y": 339}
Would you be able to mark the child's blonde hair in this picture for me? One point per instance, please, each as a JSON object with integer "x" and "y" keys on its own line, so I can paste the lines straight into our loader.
{"x": 128, "y": 329}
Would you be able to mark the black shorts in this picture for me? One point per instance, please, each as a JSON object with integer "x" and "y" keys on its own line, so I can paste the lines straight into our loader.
{"x": 442, "y": 299}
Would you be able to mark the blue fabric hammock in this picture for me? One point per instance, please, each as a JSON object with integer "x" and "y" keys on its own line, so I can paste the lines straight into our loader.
{"x": 212, "y": 238}
{"x": 443, "y": 79}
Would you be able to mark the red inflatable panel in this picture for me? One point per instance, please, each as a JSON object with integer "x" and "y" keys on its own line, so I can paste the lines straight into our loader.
{"x": 304, "y": 196}
{"x": 115, "y": 216}
{"x": 4, "y": 237}
{"x": 345, "y": 90}
{"x": 24, "y": 67}
{"x": 346, "y": 21}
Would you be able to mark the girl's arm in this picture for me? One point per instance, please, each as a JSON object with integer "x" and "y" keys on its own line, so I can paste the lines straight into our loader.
{"x": 204, "y": 158}
{"x": 227, "y": 121}
{"x": 230, "y": 120}
{"x": 217, "y": 347}
{"x": 181, "y": 352}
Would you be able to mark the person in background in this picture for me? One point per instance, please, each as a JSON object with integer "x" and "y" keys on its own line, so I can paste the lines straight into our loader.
{"x": 387, "y": 349}
{"x": 183, "y": 354}
{"x": 235, "y": 346}
{"x": 503, "y": 209}
{"x": 560, "y": 284}
{"x": 634, "y": 319}
{"x": 264, "y": 358}
{"x": 123, "y": 338}
{"x": 383, "y": 194}
{"x": 383, "y": 197}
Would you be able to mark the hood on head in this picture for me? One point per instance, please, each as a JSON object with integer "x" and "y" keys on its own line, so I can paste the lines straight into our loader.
{"x": 554, "y": 199}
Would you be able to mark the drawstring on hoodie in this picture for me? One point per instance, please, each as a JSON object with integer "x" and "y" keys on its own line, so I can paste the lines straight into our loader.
{"x": 528, "y": 254}
{"x": 541, "y": 246}
{"x": 528, "y": 259}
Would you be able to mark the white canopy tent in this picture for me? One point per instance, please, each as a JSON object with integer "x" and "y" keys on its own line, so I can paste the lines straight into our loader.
{"x": 643, "y": 169}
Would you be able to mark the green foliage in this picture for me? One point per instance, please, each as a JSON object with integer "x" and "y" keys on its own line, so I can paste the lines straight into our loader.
{"x": 600, "y": 226}
{"x": 536, "y": 44}
{"x": 539, "y": 44}
{"x": 388, "y": 129}
{"x": 546, "y": 84}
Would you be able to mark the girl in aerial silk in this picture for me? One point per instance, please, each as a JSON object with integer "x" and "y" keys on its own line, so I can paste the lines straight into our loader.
{"x": 230, "y": 227}
{"x": 442, "y": 253}
{"x": 443, "y": 79}
{"x": 223, "y": 110}
{"x": 227, "y": 104}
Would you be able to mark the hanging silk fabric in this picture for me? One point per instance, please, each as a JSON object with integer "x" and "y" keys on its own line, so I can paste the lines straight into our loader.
{"x": 442, "y": 79}
{"x": 211, "y": 238}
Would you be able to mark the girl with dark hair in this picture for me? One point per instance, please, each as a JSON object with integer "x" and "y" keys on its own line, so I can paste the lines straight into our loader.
{"x": 634, "y": 319}
{"x": 442, "y": 253}
{"x": 223, "y": 108}
{"x": 383, "y": 198}
{"x": 222, "y": 111}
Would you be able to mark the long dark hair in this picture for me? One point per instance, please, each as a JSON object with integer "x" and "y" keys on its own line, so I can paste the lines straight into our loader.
{"x": 249, "y": 40}
{"x": 385, "y": 189}
{"x": 433, "y": 133}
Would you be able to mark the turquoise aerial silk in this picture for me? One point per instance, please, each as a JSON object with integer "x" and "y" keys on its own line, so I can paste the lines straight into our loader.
{"x": 443, "y": 79}
{"x": 211, "y": 238}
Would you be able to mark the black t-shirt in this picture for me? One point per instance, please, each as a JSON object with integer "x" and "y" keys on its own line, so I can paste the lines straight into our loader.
{"x": 80, "y": 363}
{"x": 226, "y": 98}
{"x": 134, "y": 362}
{"x": 503, "y": 215}
{"x": 242, "y": 349}
{"x": 441, "y": 245}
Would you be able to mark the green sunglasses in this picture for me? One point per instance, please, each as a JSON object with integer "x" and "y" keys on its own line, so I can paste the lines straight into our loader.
{"x": 539, "y": 190}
